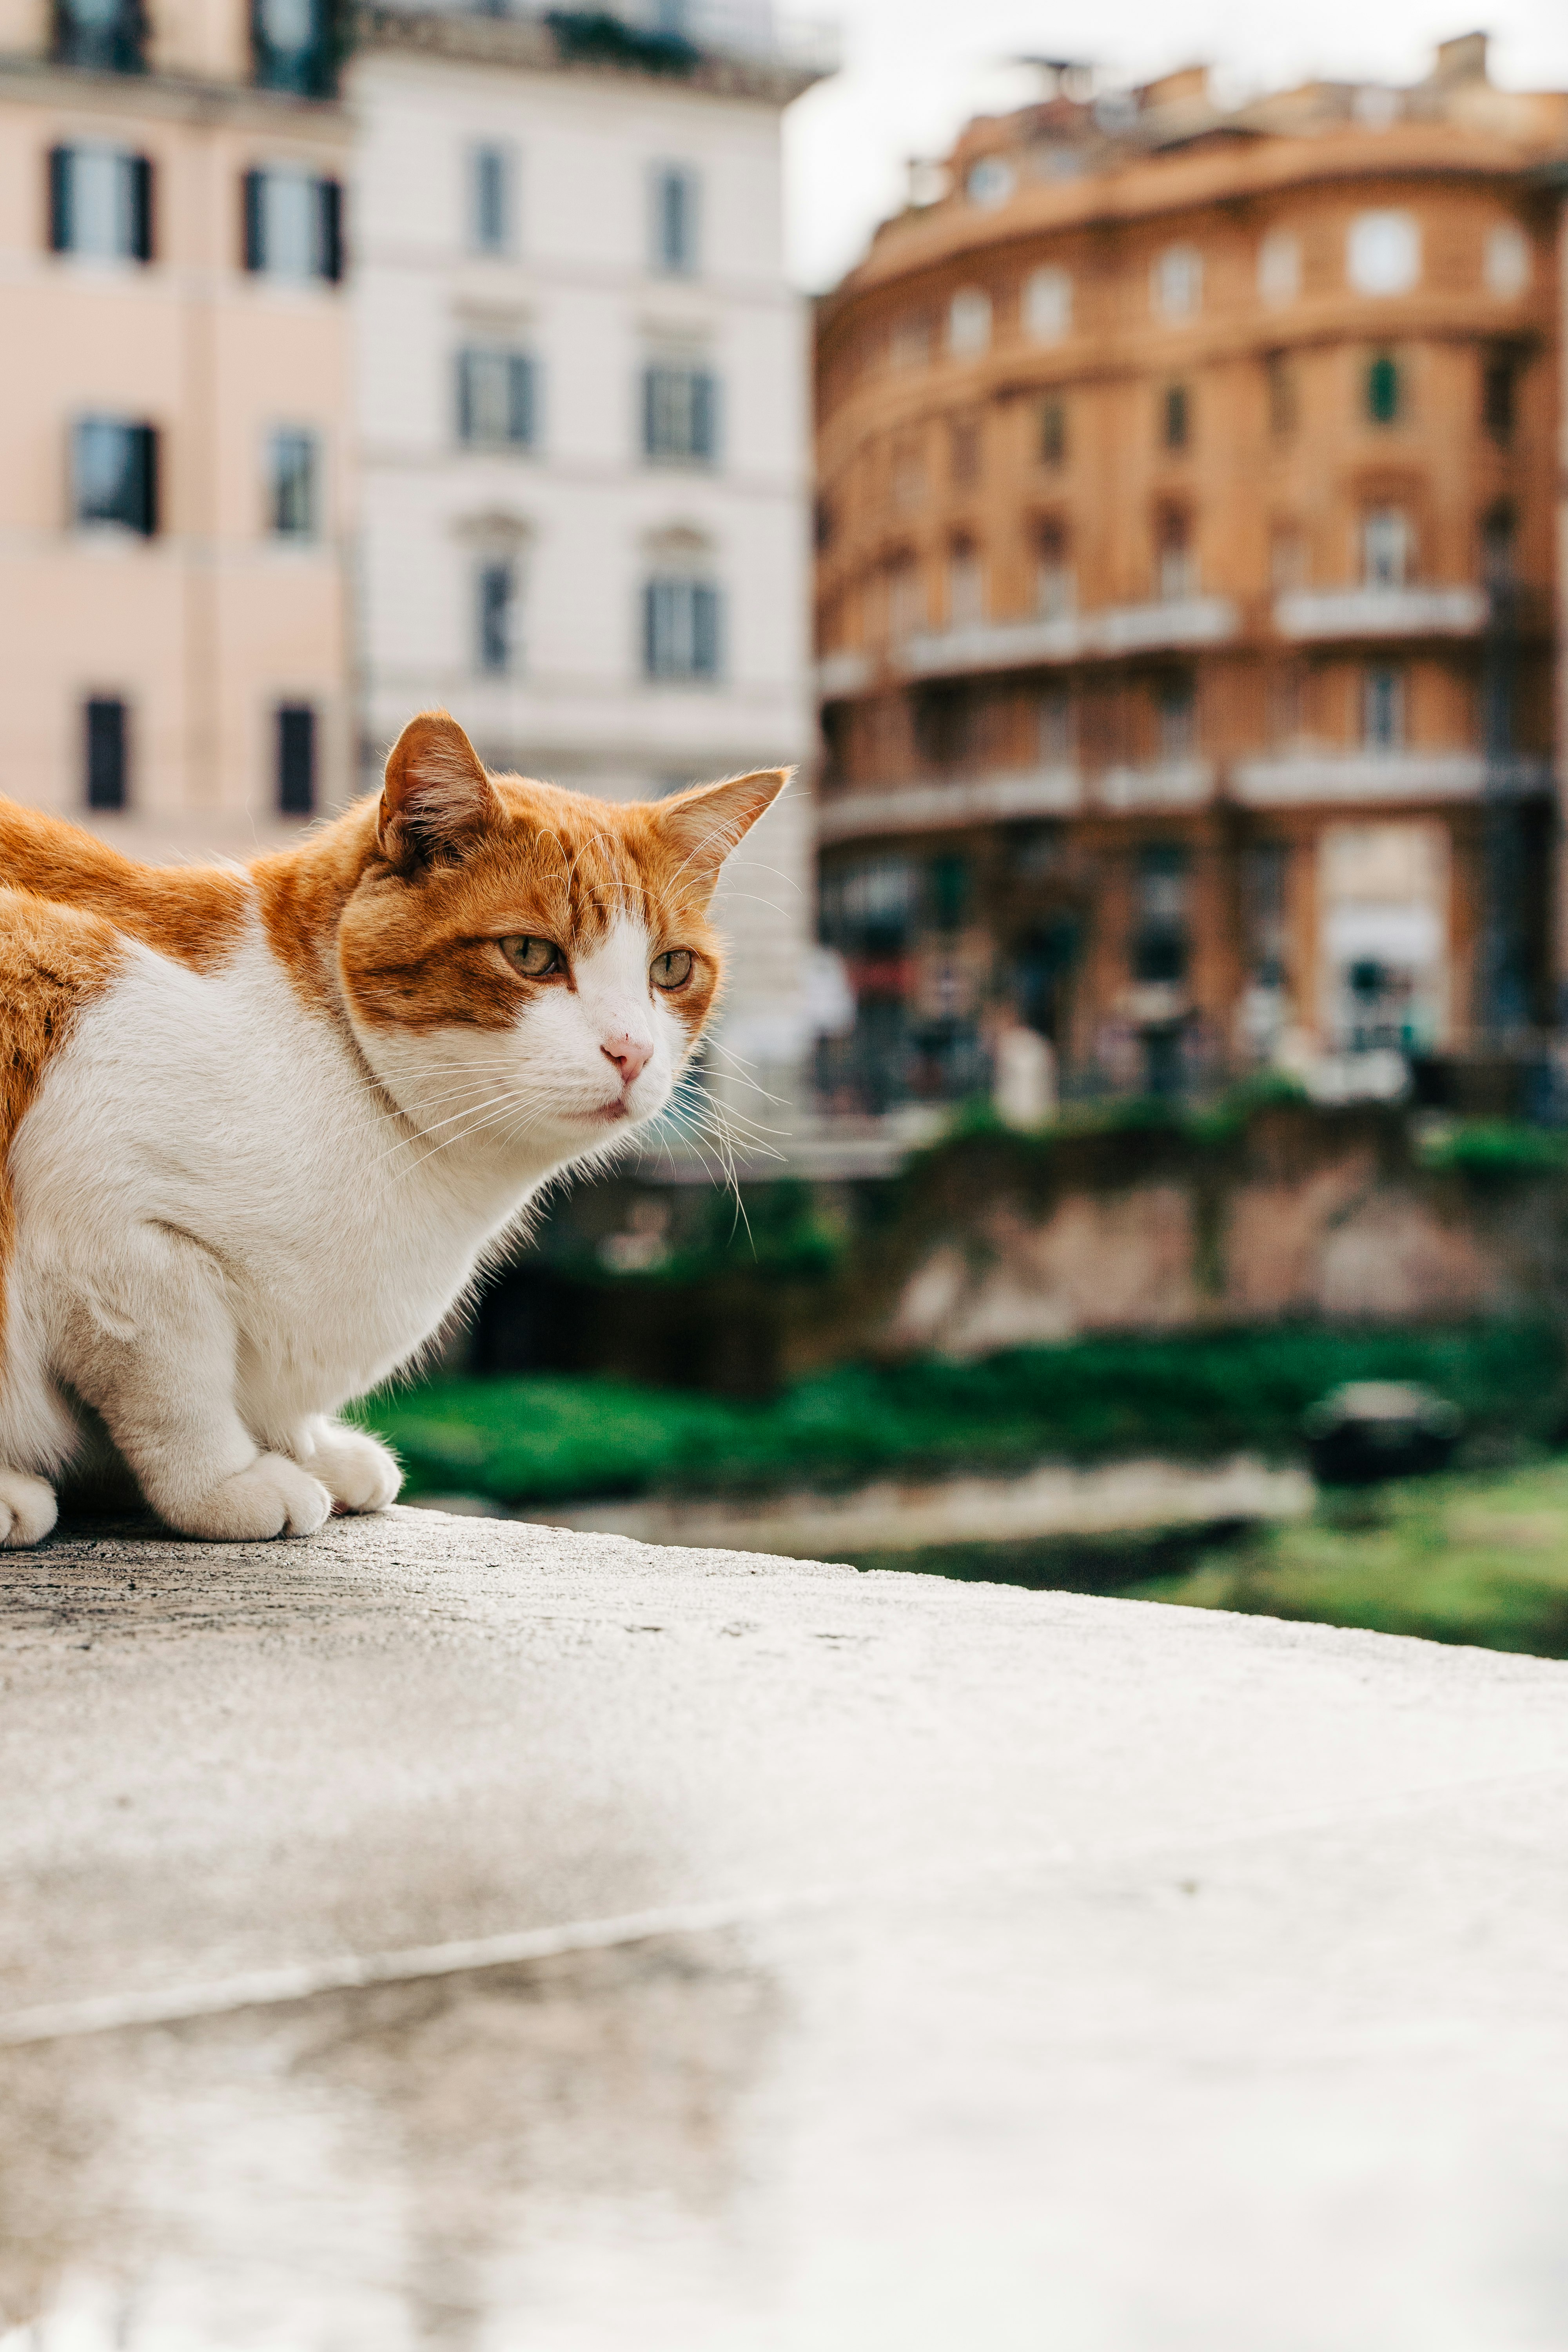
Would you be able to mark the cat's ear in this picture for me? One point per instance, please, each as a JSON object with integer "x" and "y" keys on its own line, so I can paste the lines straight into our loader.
{"x": 702, "y": 827}
{"x": 436, "y": 799}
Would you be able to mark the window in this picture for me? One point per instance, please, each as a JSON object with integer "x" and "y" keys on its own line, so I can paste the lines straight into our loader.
{"x": 101, "y": 203}
{"x": 1284, "y": 405}
{"x": 106, "y": 777}
{"x": 1177, "y": 571}
{"x": 296, "y": 760}
{"x": 1500, "y": 531}
{"x": 1053, "y": 432}
{"x": 969, "y": 322}
{"x": 1176, "y": 704}
{"x": 1385, "y": 548}
{"x": 679, "y": 414}
{"x": 964, "y": 451}
{"x": 1384, "y": 254}
{"x": 108, "y": 35}
{"x": 496, "y": 586}
{"x": 1176, "y": 283}
{"x": 1047, "y": 305}
{"x": 1508, "y": 262}
{"x": 1160, "y": 936}
{"x": 1384, "y": 392}
{"x": 1500, "y": 379}
{"x": 680, "y": 629}
{"x": 114, "y": 474}
{"x": 1175, "y": 416}
{"x": 489, "y": 200}
{"x": 293, "y": 224}
{"x": 966, "y": 587}
{"x": 1057, "y": 730}
{"x": 498, "y": 402}
{"x": 1383, "y": 707}
{"x": 906, "y": 600}
{"x": 908, "y": 345}
{"x": 675, "y": 201}
{"x": 292, "y": 470}
{"x": 1280, "y": 268}
{"x": 292, "y": 46}
{"x": 991, "y": 181}
{"x": 1054, "y": 594}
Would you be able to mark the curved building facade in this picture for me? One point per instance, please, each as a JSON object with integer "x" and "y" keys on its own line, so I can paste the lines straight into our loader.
{"x": 1185, "y": 587}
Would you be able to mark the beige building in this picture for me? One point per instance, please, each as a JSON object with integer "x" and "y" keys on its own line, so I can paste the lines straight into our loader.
{"x": 175, "y": 399}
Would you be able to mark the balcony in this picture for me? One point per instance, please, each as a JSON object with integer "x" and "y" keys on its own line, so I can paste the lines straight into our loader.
{"x": 1009, "y": 797}
{"x": 1116, "y": 630}
{"x": 1157, "y": 784}
{"x": 1363, "y": 776}
{"x": 1315, "y": 614}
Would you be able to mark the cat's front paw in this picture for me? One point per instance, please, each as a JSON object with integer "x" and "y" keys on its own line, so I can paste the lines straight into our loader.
{"x": 358, "y": 1470}
{"x": 28, "y": 1508}
{"x": 273, "y": 1498}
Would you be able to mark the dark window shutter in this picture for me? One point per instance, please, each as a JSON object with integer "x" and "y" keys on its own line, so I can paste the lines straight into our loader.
{"x": 650, "y": 411}
{"x": 60, "y": 229}
{"x": 465, "y": 395}
{"x": 296, "y": 760}
{"x": 255, "y": 220}
{"x": 520, "y": 398}
{"x": 650, "y": 648}
{"x": 705, "y": 632}
{"x": 141, "y": 208}
{"x": 330, "y": 197}
{"x": 143, "y": 469}
{"x": 106, "y": 762}
{"x": 705, "y": 416}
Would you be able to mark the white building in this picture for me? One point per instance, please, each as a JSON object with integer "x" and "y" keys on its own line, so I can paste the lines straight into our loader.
{"x": 584, "y": 434}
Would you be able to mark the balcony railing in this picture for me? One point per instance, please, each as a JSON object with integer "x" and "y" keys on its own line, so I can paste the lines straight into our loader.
{"x": 673, "y": 34}
{"x": 1306, "y": 776}
{"x": 1157, "y": 784}
{"x": 1013, "y": 796}
{"x": 1380, "y": 611}
{"x": 1115, "y": 629}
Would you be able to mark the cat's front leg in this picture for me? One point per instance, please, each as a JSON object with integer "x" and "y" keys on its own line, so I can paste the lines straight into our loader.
{"x": 356, "y": 1469}
{"x": 153, "y": 1348}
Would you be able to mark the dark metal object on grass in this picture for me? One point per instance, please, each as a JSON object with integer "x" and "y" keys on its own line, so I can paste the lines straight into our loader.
{"x": 1371, "y": 1430}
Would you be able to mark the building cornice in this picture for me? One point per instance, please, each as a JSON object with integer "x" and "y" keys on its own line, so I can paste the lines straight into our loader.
{"x": 529, "y": 46}
{"x": 1164, "y": 187}
{"x": 181, "y": 97}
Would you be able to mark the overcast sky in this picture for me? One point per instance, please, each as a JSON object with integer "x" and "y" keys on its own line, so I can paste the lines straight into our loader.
{"x": 914, "y": 70}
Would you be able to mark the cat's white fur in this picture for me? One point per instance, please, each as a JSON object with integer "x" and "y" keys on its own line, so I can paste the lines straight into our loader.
{"x": 229, "y": 1222}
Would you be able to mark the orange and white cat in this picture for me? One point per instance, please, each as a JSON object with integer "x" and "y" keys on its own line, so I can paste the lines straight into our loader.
{"x": 261, "y": 1126}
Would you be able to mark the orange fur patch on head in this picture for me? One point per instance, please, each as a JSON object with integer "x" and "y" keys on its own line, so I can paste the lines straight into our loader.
{"x": 196, "y": 915}
{"x": 53, "y": 960}
{"x": 465, "y": 859}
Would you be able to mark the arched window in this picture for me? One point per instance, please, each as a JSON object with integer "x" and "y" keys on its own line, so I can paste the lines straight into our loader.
{"x": 1176, "y": 284}
{"x": 1508, "y": 261}
{"x": 1280, "y": 267}
{"x": 969, "y": 322}
{"x": 1384, "y": 254}
{"x": 1178, "y": 571}
{"x": 1384, "y": 390}
{"x": 1055, "y": 589}
{"x": 1386, "y": 547}
{"x": 1047, "y": 305}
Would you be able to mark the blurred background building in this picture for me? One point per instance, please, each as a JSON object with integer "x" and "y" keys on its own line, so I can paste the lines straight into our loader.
{"x": 1185, "y": 590}
{"x": 585, "y": 424}
{"x": 176, "y": 443}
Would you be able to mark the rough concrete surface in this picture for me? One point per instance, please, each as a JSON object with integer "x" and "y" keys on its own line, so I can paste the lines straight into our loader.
{"x": 452, "y": 1933}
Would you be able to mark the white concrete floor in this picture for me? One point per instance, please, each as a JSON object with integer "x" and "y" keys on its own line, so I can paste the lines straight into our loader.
{"x": 761, "y": 1958}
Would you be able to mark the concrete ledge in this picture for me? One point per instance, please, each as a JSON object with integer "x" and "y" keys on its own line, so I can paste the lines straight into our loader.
{"x": 564, "y": 1941}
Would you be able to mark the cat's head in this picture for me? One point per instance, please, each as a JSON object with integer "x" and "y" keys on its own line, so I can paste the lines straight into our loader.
{"x": 527, "y": 970}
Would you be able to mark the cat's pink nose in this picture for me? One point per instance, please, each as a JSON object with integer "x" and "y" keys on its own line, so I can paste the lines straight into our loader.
{"x": 630, "y": 1054}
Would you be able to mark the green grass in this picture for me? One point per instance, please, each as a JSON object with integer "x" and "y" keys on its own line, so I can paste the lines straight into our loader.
{"x": 540, "y": 1439}
{"x": 1479, "y": 1559}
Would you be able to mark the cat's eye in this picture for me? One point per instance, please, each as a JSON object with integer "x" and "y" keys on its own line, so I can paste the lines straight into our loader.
{"x": 673, "y": 967}
{"x": 535, "y": 959}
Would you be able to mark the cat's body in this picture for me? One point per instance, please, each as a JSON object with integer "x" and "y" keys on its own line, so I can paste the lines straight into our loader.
{"x": 263, "y": 1127}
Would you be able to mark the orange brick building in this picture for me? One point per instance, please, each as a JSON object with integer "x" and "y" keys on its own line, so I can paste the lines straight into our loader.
{"x": 1185, "y": 587}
